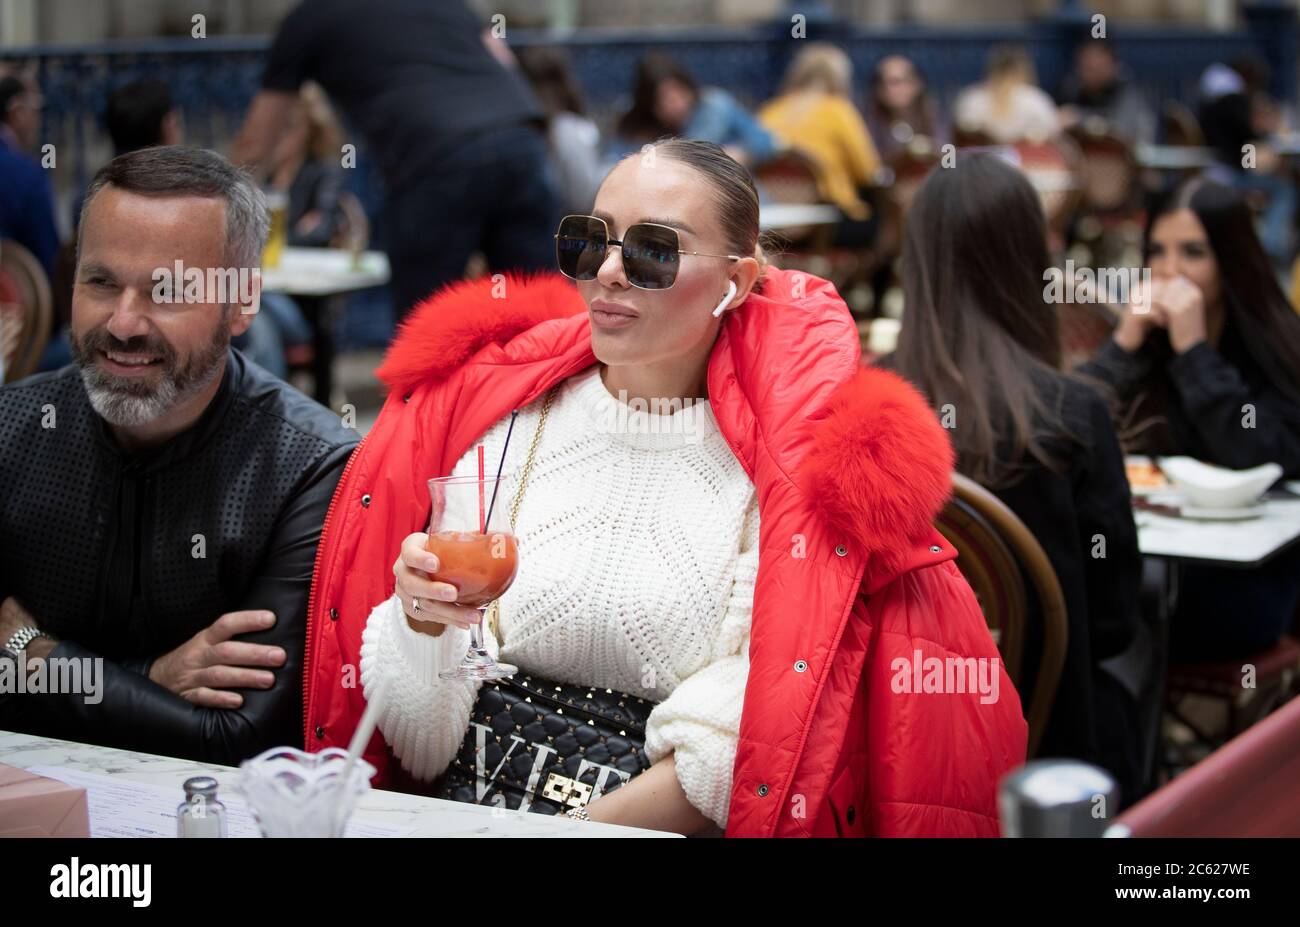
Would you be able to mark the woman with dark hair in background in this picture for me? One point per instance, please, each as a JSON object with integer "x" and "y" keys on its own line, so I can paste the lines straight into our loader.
{"x": 901, "y": 112}
{"x": 980, "y": 341}
{"x": 1209, "y": 366}
{"x": 666, "y": 100}
{"x": 574, "y": 139}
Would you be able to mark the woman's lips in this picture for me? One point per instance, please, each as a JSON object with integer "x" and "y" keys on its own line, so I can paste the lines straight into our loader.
{"x": 611, "y": 316}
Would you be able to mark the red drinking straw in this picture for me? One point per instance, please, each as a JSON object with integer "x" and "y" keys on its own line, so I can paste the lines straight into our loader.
{"x": 482, "y": 503}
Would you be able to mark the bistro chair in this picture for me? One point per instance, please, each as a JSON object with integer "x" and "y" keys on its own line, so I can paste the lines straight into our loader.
{"x": 26, "y": 310}
{"x": 1001, "y": 560}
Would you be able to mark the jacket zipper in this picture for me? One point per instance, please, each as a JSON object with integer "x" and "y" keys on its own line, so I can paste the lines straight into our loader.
{"x": 307, "y": 674}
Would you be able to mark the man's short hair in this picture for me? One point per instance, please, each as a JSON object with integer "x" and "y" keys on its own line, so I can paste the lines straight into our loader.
{"x": 176, "y": 170}
{"x": 135, "y": 113}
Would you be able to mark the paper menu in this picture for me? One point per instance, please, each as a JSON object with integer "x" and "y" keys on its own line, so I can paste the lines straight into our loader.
{"x": 122, "y": 808}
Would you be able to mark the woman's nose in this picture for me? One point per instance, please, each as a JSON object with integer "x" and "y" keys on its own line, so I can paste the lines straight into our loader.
{"x": 611, "y": 269}
{"x": 1164, "y": 267}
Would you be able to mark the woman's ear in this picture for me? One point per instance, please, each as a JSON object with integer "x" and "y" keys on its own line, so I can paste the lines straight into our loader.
{"x": 744, "y": 273}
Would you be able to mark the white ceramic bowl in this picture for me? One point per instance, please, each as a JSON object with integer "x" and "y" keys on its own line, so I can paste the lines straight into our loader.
{"x": 1210, "y": 487}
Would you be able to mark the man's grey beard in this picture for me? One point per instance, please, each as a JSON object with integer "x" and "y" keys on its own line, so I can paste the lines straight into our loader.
{"x": 128, "y": 403}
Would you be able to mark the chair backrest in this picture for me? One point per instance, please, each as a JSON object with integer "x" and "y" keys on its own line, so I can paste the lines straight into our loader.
{"x": 998, "y": 556}
{"x": 910, "y": 166}
{"x": 1052, "y": 167}
{"x": 1108, "y": 170}
{"x": 1246, "y": 788}
{"x": 26, "y": 310}
{"x": 790, "y": 177}
{"x": 971, "y": 137}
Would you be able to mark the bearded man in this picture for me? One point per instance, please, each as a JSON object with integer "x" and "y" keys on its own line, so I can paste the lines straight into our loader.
{"x": 161, "y": 498}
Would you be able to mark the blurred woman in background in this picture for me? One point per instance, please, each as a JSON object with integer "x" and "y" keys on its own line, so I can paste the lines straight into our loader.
{"x": 574, "y": 140}
{"x": 901, "y": 112}
{"x": 667, "y": 101}
{"x": 815, "y": 116}
{"x": 308, "y": 168}
{"x": 984, "y": 347}
{"x": 1209, "y": 366}
{"x": 1008, "y": 106}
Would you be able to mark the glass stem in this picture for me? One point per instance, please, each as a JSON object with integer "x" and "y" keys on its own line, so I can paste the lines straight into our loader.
{"x": 476, "y": 631}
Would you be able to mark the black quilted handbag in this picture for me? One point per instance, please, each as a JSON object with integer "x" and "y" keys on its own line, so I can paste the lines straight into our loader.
{"x": 543, "y": 746}
{"x": 536, "y": 745}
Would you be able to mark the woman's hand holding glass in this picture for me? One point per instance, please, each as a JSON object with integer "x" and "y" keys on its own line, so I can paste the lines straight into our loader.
{"x": 413, "y": 569}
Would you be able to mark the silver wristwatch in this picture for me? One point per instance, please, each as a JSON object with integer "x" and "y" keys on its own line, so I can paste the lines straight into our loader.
{"x": 21, "y": 638}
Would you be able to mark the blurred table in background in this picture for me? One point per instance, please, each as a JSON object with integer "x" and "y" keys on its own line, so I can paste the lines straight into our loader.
{"x": 777, "y": 216}
{"x": 1174, "y": 157}
{"x": 314, "y": 277}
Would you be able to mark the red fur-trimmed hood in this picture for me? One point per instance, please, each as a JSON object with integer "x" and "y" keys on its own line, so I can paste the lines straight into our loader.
{"x": 785, "y": 382}
{"x": 449, "y": 327}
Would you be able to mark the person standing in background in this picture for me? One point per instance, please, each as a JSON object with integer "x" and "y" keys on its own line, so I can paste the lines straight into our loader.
{"x": 451, "y": 127}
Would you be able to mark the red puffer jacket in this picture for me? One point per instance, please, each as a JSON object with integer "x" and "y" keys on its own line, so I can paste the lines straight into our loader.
{"x": 856, "y": 720}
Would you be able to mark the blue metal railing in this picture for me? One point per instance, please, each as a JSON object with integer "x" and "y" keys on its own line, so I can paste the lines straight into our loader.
{"x": 214, "y": 79}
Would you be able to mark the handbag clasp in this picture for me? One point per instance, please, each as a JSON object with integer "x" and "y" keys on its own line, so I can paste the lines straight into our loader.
{"x": 566, "y": 791}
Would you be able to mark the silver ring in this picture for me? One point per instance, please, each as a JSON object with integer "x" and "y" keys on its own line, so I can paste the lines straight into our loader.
{"x": 415, "y": 604}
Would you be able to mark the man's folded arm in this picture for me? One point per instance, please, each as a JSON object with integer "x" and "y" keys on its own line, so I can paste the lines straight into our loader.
{"x": 136, "y": 713}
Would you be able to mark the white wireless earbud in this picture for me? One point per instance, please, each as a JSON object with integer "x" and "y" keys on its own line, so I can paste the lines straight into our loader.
{"x": 731, "y": 294}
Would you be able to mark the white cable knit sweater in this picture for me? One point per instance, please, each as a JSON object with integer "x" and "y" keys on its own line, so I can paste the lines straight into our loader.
{"x": 638, "y": 546}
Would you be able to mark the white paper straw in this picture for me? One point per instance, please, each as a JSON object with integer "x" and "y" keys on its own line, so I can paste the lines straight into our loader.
{"x": 361, "y": 736}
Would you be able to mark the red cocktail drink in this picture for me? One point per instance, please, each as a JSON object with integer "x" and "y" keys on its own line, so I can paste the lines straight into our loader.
{"x": 470, "y": 534}
{"x": 480, "y": 566}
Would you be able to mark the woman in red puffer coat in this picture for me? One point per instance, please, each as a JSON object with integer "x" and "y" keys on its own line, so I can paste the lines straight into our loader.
{"x": 820, "y": 666}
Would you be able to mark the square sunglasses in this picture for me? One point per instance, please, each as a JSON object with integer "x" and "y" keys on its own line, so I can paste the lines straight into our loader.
{"x": 651, "y": 252}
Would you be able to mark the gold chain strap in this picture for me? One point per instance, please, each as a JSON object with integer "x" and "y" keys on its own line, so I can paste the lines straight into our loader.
{"x": 494, "y": 608}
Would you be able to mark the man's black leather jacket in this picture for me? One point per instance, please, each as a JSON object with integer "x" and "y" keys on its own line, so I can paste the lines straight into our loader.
{"x": 126, "y": 557}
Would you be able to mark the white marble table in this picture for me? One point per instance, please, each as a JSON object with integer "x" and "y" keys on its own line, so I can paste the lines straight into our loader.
{"x": 1245, "y": 543}
{"x": 313, "y": 276}
{"x": 325, "y": 272}
{"x": 772, "y": 216}
{"x": 1173, "y": 157}
{"x": 414, "y": 815}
